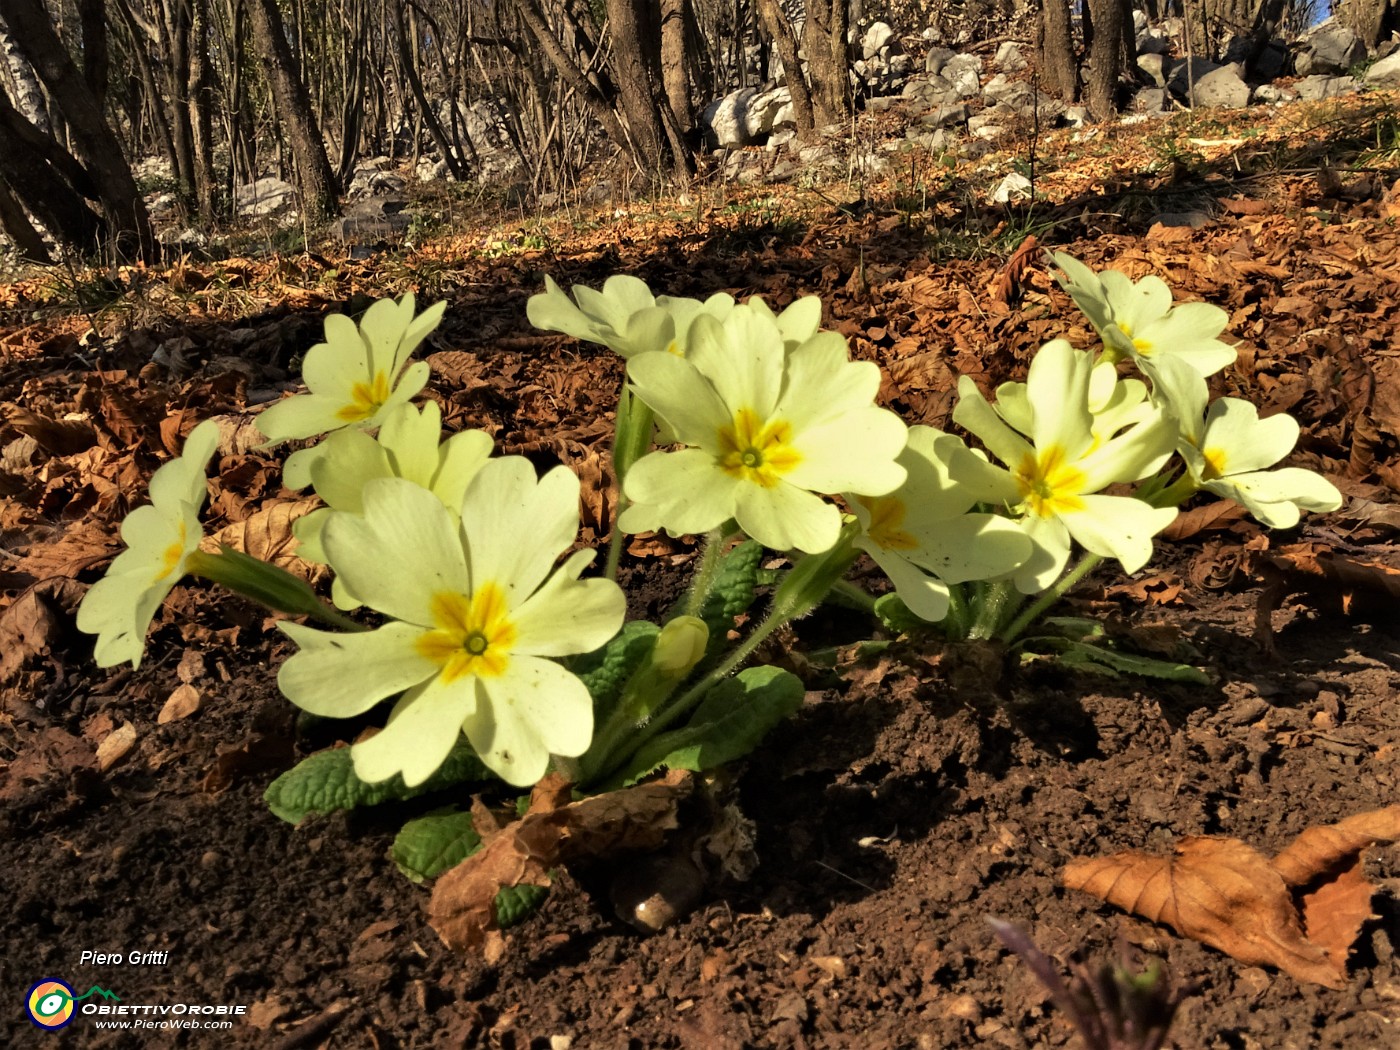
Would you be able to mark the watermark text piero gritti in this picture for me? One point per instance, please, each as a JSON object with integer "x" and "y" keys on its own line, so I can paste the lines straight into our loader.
{"x": 118, "y": 959}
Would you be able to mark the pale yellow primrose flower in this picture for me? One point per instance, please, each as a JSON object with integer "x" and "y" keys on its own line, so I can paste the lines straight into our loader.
{"x": 1228, "y": 452}
{"x": 922, "y": 535}
{"x": 475, "y": 613}
{"x": 160, "y": 537}
{"x": 768, "y": 429}
{"x": 1054, "y": 477}
{"x": 355, "y": 377}
{"x": 624, "y": 316}
{"x": 409, "y": 445}
{"x": 1139, "y": 320}
{"x": 1114, "y": 403}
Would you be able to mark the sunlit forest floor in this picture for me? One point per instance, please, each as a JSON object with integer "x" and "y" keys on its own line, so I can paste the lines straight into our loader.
{"x": 914, "y": 795}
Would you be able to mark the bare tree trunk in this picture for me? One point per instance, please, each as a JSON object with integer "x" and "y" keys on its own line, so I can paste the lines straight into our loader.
{"x": 1371, "y": 20}
{"x": 636, "y": 62}
{"x": 28, "y": 95}
{"x": 128, "y": 224}
{"x": 20, "y": 230}
{"x": 675, "y": 60}
{"x": 319, "y": 189}
{"x": 406, "y": 36}
{"x": 201, "y": 105}
{"x": 92, "y": 24}
{"x": 775, "y": 23}
{"x": 1111, "y": 41}
{"x": 824, "y": 40}
{"x": 50, "y": 184}
{"x": 1059, "y": 68}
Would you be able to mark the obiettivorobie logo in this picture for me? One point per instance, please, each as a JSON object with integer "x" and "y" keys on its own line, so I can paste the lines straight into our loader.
{"x": 50, "y": 1003}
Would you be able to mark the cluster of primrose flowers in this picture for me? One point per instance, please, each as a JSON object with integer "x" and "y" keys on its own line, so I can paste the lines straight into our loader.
{"x": 770, "y": 434}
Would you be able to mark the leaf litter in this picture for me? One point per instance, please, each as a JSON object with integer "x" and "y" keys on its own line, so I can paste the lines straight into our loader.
{"x": 1308, "y": 276}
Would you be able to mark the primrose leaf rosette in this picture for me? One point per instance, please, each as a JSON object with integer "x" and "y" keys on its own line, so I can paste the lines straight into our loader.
{"x": 408, "y": 446}
{"x": 767, "y": 431}
{"x": 1229, "y": 452}
{"x": 160, "y": 539}
{"x": 354, "y": 378}
{"x": 1057, "y": 468}
{"x": 922, "y": 535}
{"x": 475, "y": 614}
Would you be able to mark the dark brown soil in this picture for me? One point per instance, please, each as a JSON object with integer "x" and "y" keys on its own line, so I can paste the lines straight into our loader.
{"x": 915, "y": 797}
{"x": 892, "y": 817}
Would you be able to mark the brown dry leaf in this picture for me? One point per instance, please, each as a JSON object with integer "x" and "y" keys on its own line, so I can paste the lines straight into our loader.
{"x": 1318, "y": 850}
{"x": 268, "y": 535}
{"x": 115, "y": 746}
{"x": 81, "y": 546}
{"x": 52, "y": 752}
{"x": 463, "y": 909}
{"x": 182, "y": 703}
{"x": 258, "y": 752}
{"x": 1334, "y": 914}
{"x": 1219, "y": 514}
{"x": 1003, "y": 286}
{"x": 1226, "y": 894}
{"x": 58, "y": 437}
{"x": 28, "y": 628}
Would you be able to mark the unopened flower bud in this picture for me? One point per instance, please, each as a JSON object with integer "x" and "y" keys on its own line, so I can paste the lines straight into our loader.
{"x": 680, "y": 646}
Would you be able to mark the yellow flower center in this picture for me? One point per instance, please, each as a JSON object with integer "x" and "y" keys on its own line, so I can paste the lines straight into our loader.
{"x": 366, "y": 399}
{"x": 674, "y": 347}
{"x": 170, "y": 558}
{"x": 1142, "y": 346}
{"x": 1215, "y": 463}
{"x": 887, "y": 515}
{"x": 473, "y": 635}
{"x": 757, "y": 451}
{"x": 1049, "y": 486}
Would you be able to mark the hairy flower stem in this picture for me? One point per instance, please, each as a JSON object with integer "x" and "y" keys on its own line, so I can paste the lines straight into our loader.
{"x": 958, "y": 622}
{"x": 631, "y": 440}
{"x": 706, "y": 572}
{"x": 847, "y": 593}
{"x": 267, "y": 585}
{"x": 991, "y": 609}
{"x": 1058, "y": 590}
{"x": 802, "y": 590}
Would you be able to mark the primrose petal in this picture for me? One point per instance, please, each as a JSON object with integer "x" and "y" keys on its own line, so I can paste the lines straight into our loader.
{"x": 337, "y": 675}
{"x": 422, "y": 730}
{"x": 538, "y": 709}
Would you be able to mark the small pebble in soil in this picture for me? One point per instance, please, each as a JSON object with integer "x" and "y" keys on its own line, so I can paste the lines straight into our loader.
{"x": 657, "y": 892}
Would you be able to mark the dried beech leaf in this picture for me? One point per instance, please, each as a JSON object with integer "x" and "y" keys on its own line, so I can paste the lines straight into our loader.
{"x": 462, "y": 909}
{"x": 58, "y": 437}
{"x": 1219, "y": 514}
{"x": 115, "y": 746}
{"x": 182, "y": 702}
{"x": 268, "y": 535}
{"x": 1335, "y": 912}
{"x": 1318, "y": 850}
{"x": 1218, "y": 891}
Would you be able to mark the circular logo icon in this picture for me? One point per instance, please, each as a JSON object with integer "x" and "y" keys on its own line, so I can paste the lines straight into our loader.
{"x": 50, "y": 1003}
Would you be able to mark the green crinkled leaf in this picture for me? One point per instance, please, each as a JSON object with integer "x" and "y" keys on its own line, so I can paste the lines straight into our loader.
{"x": 898, "y": 617}
{"x": 1095, "y": 658}
{"x": 515, "y": 904}
{"x": 733, "y": 590}
{"x": 605, "y": 671}
{"x": 730, "y": 722}
{"x": 326, "y": 781}
{"x": 429, "y": 845}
